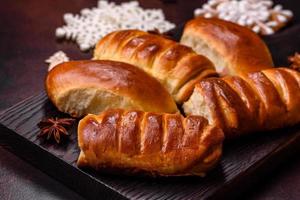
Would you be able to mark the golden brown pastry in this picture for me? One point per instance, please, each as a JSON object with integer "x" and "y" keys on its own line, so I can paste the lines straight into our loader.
{"x": 83, "y": 87}
{"x": 255, "y": 101}
{"x": 232, "y": 48}
{"x": 176, "y": 66}
{"x": 159, "y": 144}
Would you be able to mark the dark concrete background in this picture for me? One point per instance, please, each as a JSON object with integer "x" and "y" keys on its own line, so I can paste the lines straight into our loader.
{"x": 27, "y": 38}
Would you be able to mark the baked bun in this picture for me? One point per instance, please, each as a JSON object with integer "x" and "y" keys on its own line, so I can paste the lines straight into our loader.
{"x": 232, "y": 48}
{"x": 256, "y": 101}
{"x": 158, "y": 144}
{"x": 176, "y": 66}
{"x": 83, "y": 87}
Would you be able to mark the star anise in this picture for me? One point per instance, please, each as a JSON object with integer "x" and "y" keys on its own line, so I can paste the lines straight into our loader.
{"x": 295, "y": 61}
{"x": 55, "y": 127}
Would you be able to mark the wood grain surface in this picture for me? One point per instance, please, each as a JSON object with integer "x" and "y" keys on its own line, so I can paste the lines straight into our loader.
{"x": 27, "y": 39}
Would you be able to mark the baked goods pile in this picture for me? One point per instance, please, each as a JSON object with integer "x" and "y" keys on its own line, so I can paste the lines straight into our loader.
{"x": 251, "y": 95}
{"x": 221, "y": 76}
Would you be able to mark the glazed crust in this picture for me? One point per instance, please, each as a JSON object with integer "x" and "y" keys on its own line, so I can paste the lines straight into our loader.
{"x": 237, "y": 48}
{"x": 158, "y": 144}
{"x": 174, "y": 65}
{"x": 256, "y": 101}
{"x": 82, "y": 87}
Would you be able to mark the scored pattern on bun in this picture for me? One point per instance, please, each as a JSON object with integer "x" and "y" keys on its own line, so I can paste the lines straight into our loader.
{"x": 158, "y": 144}
{"x": 256, "y": 101}
{"x": 176, "y": 66}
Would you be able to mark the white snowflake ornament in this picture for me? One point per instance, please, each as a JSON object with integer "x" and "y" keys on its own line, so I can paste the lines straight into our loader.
{"x": 258, "y": 15}
{"x": 56, "y": 58}
{"x": 94, "y": 23}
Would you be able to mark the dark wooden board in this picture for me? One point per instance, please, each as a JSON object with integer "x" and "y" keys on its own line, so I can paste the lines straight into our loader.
{"x": 244, "y": 162}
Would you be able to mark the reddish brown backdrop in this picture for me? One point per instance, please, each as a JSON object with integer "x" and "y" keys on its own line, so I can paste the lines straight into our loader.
{"x": 27, "y": 39}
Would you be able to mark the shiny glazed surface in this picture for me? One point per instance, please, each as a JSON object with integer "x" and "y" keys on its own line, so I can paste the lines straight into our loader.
{"x": 22, "y": 72}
